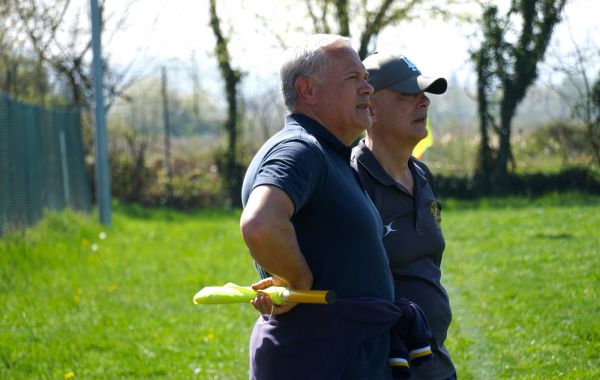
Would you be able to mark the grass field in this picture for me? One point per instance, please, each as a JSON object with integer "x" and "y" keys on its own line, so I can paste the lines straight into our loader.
{"x": 82, "y": 301}
{"x": 524, "y": 283}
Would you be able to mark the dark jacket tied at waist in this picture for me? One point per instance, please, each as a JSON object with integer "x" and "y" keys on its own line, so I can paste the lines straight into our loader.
{"x": 317, "y": 341}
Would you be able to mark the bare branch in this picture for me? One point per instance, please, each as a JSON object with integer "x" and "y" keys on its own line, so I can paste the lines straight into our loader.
{"x": 313, "y": 17}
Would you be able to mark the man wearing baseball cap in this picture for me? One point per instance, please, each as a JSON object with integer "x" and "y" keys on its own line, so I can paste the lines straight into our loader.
{"x": 403, "y": 191}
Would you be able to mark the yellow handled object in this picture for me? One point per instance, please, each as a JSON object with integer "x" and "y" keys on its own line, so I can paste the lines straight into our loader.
{"x": 232, "y": 293}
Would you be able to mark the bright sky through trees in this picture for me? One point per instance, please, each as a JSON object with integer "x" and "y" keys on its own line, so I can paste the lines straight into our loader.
{"x": 173, "y": 30}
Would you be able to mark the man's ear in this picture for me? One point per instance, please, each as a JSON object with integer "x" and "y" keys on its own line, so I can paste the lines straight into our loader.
{"x": 305, "y": 88}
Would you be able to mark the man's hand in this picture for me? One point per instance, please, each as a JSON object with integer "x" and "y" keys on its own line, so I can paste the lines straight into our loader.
{"x": 263, "y": 302}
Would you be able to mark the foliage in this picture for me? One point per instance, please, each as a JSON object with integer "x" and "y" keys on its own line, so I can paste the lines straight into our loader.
{"x": 551, "y": 158}
{"x": 232, "y": 77}
{"x": 195, "y": 183}
{"x": 370, "y": 18}
{"x": 52, "y": 35}
{"x": 23, "y": 78}
{"x": 596, "y": 97}
{"x": 139, "y": 110}
{"x": 585, "y": 104}
{"x": 564, "y": 140}
{"x": 129, "y": 178}
{"x": 506, "y": 63}
{"x": 570, "y": 179}
{"x": 115, "y": 302}
{"x": 593, "y": 124}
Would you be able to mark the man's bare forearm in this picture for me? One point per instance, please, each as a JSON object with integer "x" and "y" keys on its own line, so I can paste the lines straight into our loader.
{"x": 271, "y": 237}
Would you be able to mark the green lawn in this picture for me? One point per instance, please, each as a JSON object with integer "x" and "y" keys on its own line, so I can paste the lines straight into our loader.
{"x": 523, "y": 282}
{"x": 121, "y": 307}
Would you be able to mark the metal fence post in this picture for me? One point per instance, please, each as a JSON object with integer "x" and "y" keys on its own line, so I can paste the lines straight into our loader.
{"x": 102, "y": 171}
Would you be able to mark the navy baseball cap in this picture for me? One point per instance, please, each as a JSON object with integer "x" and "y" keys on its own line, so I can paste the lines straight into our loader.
{"x": 398, "y": 73}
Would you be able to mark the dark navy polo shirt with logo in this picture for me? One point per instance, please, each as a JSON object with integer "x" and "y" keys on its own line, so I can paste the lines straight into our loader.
{"x": 337, "y": 227}
{"x": 414, "y": 243}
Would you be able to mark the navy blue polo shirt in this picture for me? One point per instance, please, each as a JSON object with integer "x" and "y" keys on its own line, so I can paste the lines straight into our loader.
{"x": 337, "y": 227}
{"x": 413, "y": 239}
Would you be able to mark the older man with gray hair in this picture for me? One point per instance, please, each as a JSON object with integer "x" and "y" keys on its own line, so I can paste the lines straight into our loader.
{"x": 308, "y": 224}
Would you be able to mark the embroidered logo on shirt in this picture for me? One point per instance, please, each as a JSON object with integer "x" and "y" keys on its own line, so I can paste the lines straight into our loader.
{"x": 435, "y": 212}
{"x": 387, "y": 229}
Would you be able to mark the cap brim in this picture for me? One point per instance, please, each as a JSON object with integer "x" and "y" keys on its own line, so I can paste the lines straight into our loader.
{"x": 420, "y": 83}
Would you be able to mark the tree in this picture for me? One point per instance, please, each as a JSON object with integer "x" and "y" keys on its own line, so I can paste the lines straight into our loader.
{"x": 58, "y": 37}
{"x": 587, "y": 109}
{"x": 506, "y": 63}
{"x": 129, "y": 172}
{"x": 263, "y": 115}
{"x": 484, "y": 59}
{"x": 6, "y": 50}
{"x": 332, "y": 16}
{"x": 23, "y": 78}
{"x": 232, "y": 77}
{"x": 21, "y": 75}
{"x": 594, "y": 121}
{"x": 575, "y": 65}
{"x": 328, "y": 16}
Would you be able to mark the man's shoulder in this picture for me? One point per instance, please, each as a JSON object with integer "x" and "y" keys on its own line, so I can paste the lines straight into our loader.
{"x": 293, "y": 134}
{"x": 423, "y": 170}
{"x": 370, "y": 171}
{"x": 293, "y": 143}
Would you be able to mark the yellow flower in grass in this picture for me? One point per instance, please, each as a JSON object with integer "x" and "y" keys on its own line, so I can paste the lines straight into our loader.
{"x": 77, "y": 298}
{"x": 69, "y": 375}
{"x": 209, "y": 336}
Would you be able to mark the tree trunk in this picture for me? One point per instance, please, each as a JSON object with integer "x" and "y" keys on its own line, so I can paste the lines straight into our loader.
{"x": 233, "y": 175}
{"x": 500, "y": 176}
{"x": 483, "y": 171}
{"x": 231, "y": 77}
{"x": 342, "y": 16}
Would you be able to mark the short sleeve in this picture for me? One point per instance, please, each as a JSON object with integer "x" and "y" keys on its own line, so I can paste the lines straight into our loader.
{"x": 294, "y": 166}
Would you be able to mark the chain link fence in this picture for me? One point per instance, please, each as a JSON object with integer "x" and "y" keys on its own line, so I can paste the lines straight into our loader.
{"x": 42, "y": 163}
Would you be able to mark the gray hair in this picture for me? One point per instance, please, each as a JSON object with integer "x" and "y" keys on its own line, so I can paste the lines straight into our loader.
{"x": 309, "y": 59}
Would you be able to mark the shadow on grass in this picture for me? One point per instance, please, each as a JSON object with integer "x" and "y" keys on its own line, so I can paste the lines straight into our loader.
{"x": 555, "y": 236}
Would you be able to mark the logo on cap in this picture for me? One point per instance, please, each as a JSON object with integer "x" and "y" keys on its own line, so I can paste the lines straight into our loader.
{"x": 410, "y": 64}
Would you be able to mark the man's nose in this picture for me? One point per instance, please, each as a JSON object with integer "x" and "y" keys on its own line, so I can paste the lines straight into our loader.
{"x": 423, "y": 100}
{"x": 366, "y": 88}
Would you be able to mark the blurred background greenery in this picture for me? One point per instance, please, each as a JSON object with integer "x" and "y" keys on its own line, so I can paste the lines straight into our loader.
{"x": 522, "y": 100}
{"x": 515, "y": 152}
